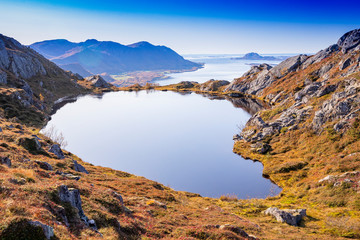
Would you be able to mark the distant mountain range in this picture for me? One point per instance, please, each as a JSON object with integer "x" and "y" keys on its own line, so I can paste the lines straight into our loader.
{"x": 256, "y": 56}
{"x": 97, "y": 57}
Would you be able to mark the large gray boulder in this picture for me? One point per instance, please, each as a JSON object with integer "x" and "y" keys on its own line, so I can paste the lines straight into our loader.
{"x": 55, "y": 149}
{"x": 289, "y": 216}
{"x": 349, "y": 40}
{"x": 97, "y": 81}
{"x": 72, "y": 196}
{"x": 79, "y": 168}
{"x": 48, "y": 231}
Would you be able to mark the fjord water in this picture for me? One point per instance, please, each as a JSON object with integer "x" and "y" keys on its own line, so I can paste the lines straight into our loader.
{"x": 216, "y": 66}
{"x": 182, "y": 141}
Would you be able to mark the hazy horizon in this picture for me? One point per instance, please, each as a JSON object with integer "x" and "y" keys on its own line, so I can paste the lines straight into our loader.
{"x": 201, "y": 27}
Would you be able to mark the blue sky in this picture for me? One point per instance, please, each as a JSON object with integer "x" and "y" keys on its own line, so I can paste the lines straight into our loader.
{"x": 225, "y": 26}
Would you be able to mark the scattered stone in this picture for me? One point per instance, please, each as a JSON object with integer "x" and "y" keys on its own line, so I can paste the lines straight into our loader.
{"x": 79, "y": 168}
{"x": 289, "y": 216}
{"x": 21, "y": 181}
{"x": 48, "y": 231}
{"x": 68, "y": 175}
{"x": 44, "y": 165}
{"x": 57, "y": 151}
{"x": 6, "y": 161}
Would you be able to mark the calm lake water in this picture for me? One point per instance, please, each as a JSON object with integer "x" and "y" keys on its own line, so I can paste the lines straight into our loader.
{"x": 182, "y": 141}
{"x": 217, "y": 66}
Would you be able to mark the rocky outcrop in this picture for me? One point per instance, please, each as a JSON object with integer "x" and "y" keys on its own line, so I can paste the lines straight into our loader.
{"x": 213, "y": 85}
{"x": 98, "y": 81}
{"x": 351, "y": 178}
{"x": 349, "y": 41}
{"x": 72, "y": 196}
{"x": 260, "y": 77}
{"x": 20, "y": 60}
{"x": 79, "y": 168}
{"x": 55, "y": 149}
{"x": 290, "y": 216}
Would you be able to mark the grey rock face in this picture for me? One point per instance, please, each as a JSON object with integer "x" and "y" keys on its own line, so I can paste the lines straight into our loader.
{"x": 72, "y": 196}
{"x": 260, "y": 78}
{"x": 320, "y": 55}
{"x": 98, "y": 81}
{"x": 5, "y": 161}
{"x": 48, "y": 231}
{"x": 20, "y": 60}
{"x": 349, "y": 40}
{"x": 79, "y": 168}
{"x": 57, "y": 151}
{"x": 289, "y": 216}
{"x": 289, "y": 65}
{"x": 44, "y": 165}
{"x": 341, "y": 105}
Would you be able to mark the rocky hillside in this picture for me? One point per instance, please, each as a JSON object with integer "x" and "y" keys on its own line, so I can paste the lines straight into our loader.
{"x": 309, "y": 140}
{"x": 113, "y": 58}
{"x": 29, "y": 83}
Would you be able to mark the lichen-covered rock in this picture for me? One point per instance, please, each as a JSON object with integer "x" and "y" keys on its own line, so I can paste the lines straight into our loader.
{"x": 55, "y": 149}
{"x": 289, "y": 216}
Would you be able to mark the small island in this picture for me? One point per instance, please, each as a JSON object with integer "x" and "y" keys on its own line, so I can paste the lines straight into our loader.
{"x": 256, "y": 56}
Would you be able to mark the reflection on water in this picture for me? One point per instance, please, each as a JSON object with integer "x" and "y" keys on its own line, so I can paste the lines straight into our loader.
{"x": 183, "y": 141}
